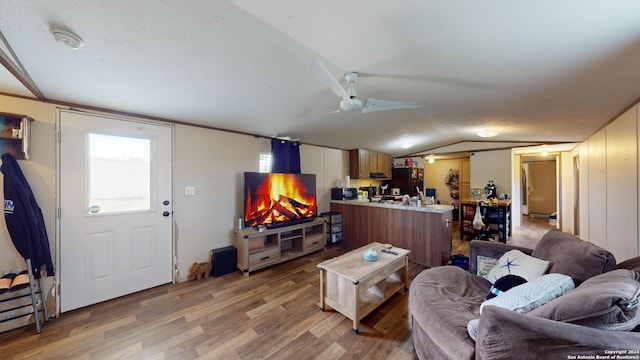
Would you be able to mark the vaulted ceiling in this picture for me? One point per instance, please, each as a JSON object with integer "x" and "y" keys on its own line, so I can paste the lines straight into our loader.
{"x": 534, "y": 71}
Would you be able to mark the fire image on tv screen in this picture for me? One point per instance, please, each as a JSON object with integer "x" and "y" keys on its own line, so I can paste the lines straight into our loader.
{"x": 273, "y": 199}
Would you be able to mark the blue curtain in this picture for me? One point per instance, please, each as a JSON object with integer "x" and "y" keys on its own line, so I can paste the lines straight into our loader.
{"x": 285, "y": 156}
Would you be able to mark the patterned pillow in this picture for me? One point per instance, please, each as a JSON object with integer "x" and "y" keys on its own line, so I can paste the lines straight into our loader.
{"x": 485, "y": 264}
{"x": 526, "y": 297}
{"x": 515, "y": 262}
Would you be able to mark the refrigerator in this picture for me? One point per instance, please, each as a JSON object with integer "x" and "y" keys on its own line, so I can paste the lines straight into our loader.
{"x": 408, "y": 179}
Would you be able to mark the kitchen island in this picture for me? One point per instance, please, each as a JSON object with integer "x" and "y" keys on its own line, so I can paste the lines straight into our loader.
{"x": 426, "y": 231}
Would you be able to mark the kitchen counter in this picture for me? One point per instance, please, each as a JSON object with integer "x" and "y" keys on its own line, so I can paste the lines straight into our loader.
{"x": 426, "y": 230}
{"x": 440, "y": 209}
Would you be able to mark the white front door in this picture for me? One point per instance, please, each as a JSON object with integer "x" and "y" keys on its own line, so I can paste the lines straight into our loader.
{"x": 116, "y": 222}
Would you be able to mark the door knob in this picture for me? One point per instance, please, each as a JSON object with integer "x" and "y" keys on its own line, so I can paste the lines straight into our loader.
{"x": 166, "y": 213}
{"x": 166, "y": 202}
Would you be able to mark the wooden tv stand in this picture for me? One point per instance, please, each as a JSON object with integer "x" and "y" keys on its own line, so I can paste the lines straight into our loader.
{"x": 259, "y": 249}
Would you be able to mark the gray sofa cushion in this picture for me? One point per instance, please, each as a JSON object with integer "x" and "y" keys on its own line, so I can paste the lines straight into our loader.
{"x": 607, "y": 301}
{"x": 571, "y": 256}
{"x": 442, "y": 301}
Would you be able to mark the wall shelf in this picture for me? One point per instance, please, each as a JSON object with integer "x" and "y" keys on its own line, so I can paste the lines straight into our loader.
{"x": 15, "y": 133}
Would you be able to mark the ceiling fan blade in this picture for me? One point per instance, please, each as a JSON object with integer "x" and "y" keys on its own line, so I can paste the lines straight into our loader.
{"x": 379, "y": 105}
{"x": 330, "y": 112}
{"x": 329, "y": 80}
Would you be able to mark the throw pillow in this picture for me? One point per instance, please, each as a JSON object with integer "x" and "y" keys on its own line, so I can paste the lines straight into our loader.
{"x": 515, "y": 262}
{"x": 526, "y": 297}
{"x": 505, "y": 283}
{"x": 608, "y": 301}
{"x": 472, "y": 328}
{"x": 485, "y": 264}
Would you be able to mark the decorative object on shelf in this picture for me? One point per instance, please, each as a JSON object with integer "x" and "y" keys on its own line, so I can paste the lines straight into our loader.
{"x": 370, "y": 255}
{"x": 15, "y": 135}
{"x": 453, "y": 182}
{"x": 491, "y": 191}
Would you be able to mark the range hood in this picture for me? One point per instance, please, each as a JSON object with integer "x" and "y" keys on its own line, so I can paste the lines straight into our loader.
{"x": 377, "y": 175}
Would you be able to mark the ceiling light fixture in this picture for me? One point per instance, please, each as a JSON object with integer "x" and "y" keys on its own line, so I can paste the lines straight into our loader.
{"x": 406, "y": 145}
{"x": 487, "y": 133}
{"x": 67, "y": 37}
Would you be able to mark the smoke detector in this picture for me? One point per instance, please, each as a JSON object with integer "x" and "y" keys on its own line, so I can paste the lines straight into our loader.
{"x": 67, "y": 37}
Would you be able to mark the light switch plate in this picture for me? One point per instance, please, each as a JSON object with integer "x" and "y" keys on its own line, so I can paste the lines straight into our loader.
{"x": 189, "y": 190}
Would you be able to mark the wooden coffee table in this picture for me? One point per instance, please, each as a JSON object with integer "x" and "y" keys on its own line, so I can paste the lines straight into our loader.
{"x": 355, "y": 287}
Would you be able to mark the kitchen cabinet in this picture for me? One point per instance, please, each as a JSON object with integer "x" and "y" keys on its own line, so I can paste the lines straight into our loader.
{"x": 465, "y": 179}
{"x": 380, "y": 163}
{"x": 14, "y": 135}
{"x": 359, "y": 164}
{"x": 364, "y": 162}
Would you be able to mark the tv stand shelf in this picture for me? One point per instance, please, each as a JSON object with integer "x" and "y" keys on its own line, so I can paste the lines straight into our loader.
{"x": 259, "y": 249}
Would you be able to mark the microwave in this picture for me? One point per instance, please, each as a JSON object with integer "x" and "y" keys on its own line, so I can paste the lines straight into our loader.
{"x": 344, "y": 193}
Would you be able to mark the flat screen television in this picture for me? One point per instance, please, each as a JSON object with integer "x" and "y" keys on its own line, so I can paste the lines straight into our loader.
{"x": 279, "y": 199}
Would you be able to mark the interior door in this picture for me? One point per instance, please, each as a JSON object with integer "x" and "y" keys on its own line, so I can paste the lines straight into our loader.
{"x": 542, "y": 187}
{"x": 116, "y": 226}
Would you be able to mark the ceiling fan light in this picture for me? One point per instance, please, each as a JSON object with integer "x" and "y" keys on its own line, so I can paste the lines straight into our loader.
{"x": 353, "y": 105}
{"x": 487, "y": 133}
{"x": 68, "y": 38}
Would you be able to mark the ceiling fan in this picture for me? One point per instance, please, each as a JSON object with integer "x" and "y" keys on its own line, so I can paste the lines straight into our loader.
{"x": 350, "y": 101}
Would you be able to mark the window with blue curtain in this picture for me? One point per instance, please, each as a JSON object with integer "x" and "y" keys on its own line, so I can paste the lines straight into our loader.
{"x": 285, "y": 156}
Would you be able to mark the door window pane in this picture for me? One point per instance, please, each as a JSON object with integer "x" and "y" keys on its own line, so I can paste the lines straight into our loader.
{"x": 119, "y": 174}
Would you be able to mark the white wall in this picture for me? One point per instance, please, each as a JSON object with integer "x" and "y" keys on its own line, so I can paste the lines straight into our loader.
{"x": 212, "y": 161}
{"x": 609, "y": 187}
{"x": 40, "y": 172}
{"x": 565, "y": 192}
{"x": 491, "y": 165}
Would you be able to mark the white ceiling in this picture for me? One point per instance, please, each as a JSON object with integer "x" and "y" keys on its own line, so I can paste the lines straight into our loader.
{"x": 535, "y": 71}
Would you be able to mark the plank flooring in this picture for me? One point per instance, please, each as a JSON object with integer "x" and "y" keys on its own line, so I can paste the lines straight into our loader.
{"x": 527, "y": 235}
{"x": 272, "y": 314}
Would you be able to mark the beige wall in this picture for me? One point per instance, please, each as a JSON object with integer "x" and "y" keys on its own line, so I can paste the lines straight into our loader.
{"x": 212, "y": 161}
{"x": 435, "y": 175}
{"x": 492, "y": 165}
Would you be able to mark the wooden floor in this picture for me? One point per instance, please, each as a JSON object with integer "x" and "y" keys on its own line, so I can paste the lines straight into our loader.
{"x": 273, "y": 314}
{"x": 527, "y": 235}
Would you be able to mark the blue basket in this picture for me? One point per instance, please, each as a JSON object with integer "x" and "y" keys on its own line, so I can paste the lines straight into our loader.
{"x": 460, "y": 261}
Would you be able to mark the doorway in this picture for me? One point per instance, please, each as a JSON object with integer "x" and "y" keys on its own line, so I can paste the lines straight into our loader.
{"x": 115, "y": 207}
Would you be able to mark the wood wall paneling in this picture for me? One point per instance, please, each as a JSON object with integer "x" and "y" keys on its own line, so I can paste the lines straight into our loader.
{"x": 597, "y": 189}
{"x": 621, "y": 184}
